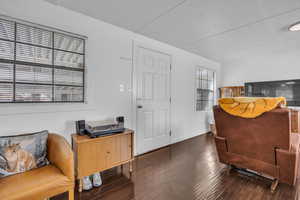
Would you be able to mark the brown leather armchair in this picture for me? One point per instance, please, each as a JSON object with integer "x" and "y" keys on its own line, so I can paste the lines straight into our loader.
{"x": 264, "y": 144}
{"x": 44, "y": 182}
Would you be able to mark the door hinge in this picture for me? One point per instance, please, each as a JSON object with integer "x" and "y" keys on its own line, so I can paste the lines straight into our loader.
{"x": 170, "y": 67}
{"x": 170, "y": 100}
{"x": 170, "y": 133}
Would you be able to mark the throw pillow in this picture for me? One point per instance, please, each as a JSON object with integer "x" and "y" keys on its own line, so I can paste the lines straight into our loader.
{"x": 20, "y": 153}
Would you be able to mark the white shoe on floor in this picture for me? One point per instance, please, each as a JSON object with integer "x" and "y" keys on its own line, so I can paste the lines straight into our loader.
{"x": 87, "y": 183}
{"x": 97, "y": 181}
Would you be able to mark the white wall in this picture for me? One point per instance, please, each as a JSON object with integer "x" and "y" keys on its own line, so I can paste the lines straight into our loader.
{"x": 107, "y": 46}
{"x": 281, "y": 65}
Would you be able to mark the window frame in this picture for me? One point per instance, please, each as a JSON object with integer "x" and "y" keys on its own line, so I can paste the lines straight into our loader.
{"x": 53, "y": 49}
{"x": 198, "y": 78}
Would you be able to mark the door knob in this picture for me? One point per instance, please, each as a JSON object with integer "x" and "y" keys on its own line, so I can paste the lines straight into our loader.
{"x": 139, "y": 106}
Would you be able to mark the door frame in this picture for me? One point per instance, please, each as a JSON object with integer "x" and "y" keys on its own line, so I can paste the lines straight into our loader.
{"x": 137, "y": 44}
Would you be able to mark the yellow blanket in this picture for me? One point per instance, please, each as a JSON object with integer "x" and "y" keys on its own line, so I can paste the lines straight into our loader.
{"x": 250, "y": 107}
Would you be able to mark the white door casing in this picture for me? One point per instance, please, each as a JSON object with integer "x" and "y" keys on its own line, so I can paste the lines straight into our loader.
{"x": 153, "y": 98}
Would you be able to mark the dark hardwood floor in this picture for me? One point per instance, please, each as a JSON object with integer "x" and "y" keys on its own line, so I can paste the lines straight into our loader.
{"x": 184, "y": 171}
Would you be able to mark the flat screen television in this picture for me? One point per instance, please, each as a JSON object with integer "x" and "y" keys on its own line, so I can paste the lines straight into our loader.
{"x": 290, "y": 89}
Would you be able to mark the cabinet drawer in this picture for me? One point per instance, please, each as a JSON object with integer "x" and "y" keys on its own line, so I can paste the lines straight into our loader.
{"x": 118, "y": 149}
{"x": 90, "y": 158}
{"x": 126, "y": 147}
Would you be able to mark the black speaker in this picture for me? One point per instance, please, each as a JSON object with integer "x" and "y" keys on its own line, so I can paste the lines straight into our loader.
{"x": 80, "y": 127}
{"x": 120, "y": 119}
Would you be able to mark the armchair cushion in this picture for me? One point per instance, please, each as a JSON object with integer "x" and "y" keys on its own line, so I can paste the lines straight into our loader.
{"x": 35, "y": 184}
{"x": 20, "y": 153}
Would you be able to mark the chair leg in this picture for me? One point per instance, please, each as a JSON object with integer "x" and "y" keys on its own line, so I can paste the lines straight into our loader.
{"x": 130, "y": 169}
{"x": 274, "y": 185}
{"x": 80, "y": 185}
{"x": 228, "y": 169}
{"x": 71, "y": 194}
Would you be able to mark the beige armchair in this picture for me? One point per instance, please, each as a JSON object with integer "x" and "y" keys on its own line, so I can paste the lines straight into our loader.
{"x": 47, "y": 181}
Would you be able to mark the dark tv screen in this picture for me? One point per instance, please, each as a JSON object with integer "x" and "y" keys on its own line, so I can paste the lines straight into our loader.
{"x": 290, "y": 89}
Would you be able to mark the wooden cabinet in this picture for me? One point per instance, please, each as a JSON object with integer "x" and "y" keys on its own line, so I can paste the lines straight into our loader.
{"x": 232, "y": 91}
{"x": 295, "y": 123}
{"x": 98, "y": 154}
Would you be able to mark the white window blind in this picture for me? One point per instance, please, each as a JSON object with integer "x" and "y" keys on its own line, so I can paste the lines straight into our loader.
{"x": 205, "y": 89}
{"x": 40, "y": 65}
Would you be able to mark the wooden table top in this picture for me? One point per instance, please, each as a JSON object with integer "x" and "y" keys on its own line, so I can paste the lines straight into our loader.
{"x": 84, "y": 138}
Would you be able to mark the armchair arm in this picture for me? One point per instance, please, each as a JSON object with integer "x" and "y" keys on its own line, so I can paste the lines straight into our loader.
{"x": 61, "y": 155}
{"x": 288, "y": 160}
{"x": 221, "y": 148}
{"x": 288, "y": 165}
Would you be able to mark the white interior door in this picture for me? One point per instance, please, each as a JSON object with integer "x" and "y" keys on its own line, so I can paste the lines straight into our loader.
{"x": 153, "y": 99}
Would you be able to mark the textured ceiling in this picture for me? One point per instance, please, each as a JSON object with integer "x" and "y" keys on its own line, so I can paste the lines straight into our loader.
{"x": 224, "y": 31}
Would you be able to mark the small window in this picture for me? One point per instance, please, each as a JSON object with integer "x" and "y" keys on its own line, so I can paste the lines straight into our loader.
{"x": 205, "y": 89}
{"x": 39, "y": 64}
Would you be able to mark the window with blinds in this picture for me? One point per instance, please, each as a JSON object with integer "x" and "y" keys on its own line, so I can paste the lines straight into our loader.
{"x": 40, "y": 65}
{"x": 205, "y": 89}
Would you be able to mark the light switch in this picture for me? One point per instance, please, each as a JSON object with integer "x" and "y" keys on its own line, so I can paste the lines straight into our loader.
{"x": 122, "y": 88}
